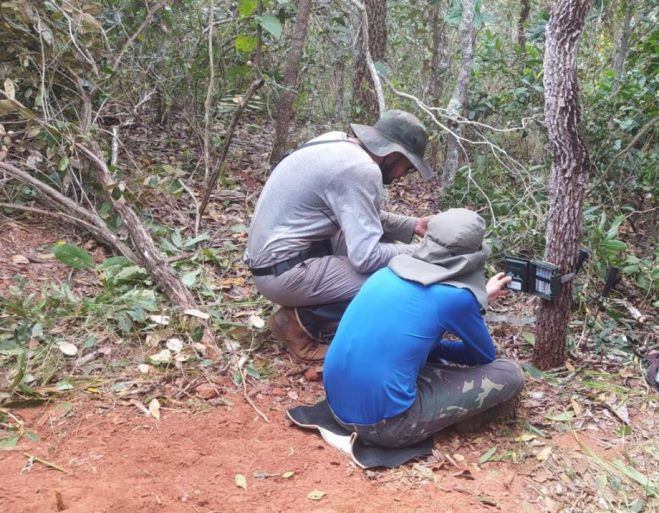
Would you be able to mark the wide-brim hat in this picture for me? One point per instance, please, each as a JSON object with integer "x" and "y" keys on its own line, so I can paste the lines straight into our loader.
{"x": 452, "y": 253}
{"x": 397, "y": 131}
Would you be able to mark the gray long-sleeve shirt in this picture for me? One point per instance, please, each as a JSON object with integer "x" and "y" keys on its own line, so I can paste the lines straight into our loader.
{"x": 317, "y": 191}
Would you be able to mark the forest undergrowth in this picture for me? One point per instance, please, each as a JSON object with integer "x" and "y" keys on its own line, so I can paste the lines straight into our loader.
{"x": 76, "y": 320}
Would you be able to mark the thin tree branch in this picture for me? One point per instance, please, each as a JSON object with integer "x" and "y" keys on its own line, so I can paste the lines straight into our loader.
{"x": 85, "y": 218}
{"x": 196, "y": 205}
{"x": 638, "y": 135}
{"x": 150, "y": 14}
{"x": 209, "y": 91}
{"x": 227, "y": 141}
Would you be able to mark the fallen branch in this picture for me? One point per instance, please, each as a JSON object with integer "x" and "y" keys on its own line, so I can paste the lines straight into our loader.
{"x": 243, "y": 374}
{"x": 81, "y": 217}
{"x": 227, "y": 141}
{"x": 32, "y": 458}
{"x": 196, "y": 206}
{"x": 150, "y": 257}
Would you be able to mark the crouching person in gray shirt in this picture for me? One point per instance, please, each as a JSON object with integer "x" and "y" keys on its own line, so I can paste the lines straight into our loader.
{"x": 318, "y": 230}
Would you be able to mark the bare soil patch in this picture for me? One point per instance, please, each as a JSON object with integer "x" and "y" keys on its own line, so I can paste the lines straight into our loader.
{"x": 116, "y": 459}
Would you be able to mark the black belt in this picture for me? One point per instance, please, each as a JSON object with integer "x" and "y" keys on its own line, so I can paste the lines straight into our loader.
{"x": 317, "y": 249}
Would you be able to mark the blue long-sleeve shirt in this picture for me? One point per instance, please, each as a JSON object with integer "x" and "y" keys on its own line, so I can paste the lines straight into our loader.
{"x": 388, "y": 333}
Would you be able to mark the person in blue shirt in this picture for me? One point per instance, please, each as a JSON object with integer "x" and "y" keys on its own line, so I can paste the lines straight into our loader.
{"x": 390, "y": 374}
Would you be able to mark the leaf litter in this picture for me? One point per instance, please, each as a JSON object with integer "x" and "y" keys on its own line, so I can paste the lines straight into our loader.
{"x": 554, "y": 404}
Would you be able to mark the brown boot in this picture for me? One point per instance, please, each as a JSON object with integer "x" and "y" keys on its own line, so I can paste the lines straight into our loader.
{"x": 285, "y": 325}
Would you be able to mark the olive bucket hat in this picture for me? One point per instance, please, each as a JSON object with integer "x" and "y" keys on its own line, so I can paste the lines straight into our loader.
{"x": 452, "y": 252}
{"x": 397, "y": 131}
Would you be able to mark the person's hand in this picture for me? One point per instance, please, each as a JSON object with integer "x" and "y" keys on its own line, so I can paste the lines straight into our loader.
{"x": 421, "y": 226}
{"x": 496, "y": 286}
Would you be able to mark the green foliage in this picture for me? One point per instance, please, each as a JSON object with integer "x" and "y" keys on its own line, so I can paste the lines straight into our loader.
{"x": 73, "y": 256}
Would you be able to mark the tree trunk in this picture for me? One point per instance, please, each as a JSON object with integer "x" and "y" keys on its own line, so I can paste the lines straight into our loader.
{"x": 569, "y": 173}
{"x": 365, "y": 107}
{"x": 291, "y": 72}
{"x": 339, "y": 78}
{"x": 623, "y": 43}
{"x": 458, "y": 101}
{"x": 439, "y": 65}
{"x": 521, "y": 24}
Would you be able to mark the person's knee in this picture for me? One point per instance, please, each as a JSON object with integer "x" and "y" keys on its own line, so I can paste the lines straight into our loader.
{"x": 511, "y": 372}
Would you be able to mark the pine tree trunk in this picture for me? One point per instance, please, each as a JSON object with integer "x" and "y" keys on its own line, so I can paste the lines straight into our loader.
{"x": 569, "y": 173}
{"x": 291, "y": 72}
{"x": 458, "y": 101}
{"x": 364, "y": 100}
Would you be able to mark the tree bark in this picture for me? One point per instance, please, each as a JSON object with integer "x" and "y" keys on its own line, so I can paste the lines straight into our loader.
{"x": 291, "y": 72}
{"x": 458, "y": 101}
{"x": 149, "y": 256}
{"x": 569, "y": 173}
{"x": 365, "y": 106}
{"x": 339, "y": 77}
{"x": 623, "y": 43}
{"x": 439, "y": 66}
{"x": 521, "y": 24}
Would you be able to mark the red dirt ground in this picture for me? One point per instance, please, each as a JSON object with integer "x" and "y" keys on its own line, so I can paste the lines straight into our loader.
{"x": 119, "y": 460}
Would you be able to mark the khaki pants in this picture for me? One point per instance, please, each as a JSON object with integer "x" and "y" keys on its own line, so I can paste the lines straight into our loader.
{"x": 316, "y": 281}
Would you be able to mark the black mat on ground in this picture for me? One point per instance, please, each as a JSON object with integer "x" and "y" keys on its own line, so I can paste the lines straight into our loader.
{"x": 320, "y": 417}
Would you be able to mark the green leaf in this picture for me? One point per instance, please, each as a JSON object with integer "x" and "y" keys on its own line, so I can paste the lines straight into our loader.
{"x": 191, "y": 242}
{"x": 634, "y": 474}
{"x": 245, "y": 44}
{"x": 8, "y": 443}
{"x": 32, "y": 436}
{"x": 118, "y": 261}
{"x": 532, "y": 371}
{"x": 271, "y": 24}
{"x": 124, "y": 322}
{"x": 613, "y": 246}
{"x": 37, "y": 330}
{"x": 246, "y": 7}
{"x": 487, "y": 456}
{"x": 535, "y": 430}
{"x": 561, "y": 417}
{"x": 130, "y": 273}
{"x": 63, "y": 163}
{"x": 177, "y": 239}
{"x": 10, "y": 347}
{"x": 239, "y": 228}
{"x": 615, "y": 225}
{"x": 529, "y": 337}
{"x": 189, "y": 279}
{"x": 73, "y": 256}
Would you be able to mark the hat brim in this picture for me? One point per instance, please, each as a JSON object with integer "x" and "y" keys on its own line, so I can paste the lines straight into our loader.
{"x": 377, "y": 143}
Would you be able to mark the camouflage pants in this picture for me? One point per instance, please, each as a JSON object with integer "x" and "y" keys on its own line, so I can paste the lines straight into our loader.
{"x": 445, "y": 395}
